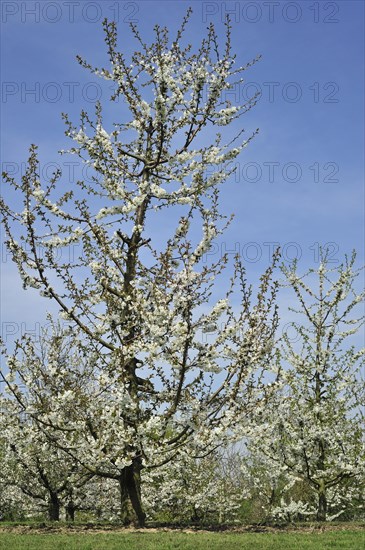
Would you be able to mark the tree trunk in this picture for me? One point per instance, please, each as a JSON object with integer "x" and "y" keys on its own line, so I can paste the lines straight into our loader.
{"x": 322, "y": 504}
{"x": 54, "y": 507}
{"x": 123, "y": 492}
{"x": 70, "y": 512}
{"x": 133, "y": 478}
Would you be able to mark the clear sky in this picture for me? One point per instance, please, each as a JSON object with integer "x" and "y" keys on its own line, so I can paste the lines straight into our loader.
{"x": 300, "y": 183}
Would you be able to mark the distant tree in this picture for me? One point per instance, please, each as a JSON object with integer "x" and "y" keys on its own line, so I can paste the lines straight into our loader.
{"x": 313, "y": 430}
{"x": 138, "y": 305}
{"x": 201, "y": 491}
{"x": 31, "y": 460}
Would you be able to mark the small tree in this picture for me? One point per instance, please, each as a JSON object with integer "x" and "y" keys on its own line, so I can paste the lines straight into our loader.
{"x": 31, "y": 460}
{"x": 138, "y": 304}
{"x": 313, "y": 432}
{"x": 32, "y": 464}
{"x": 203, "y": 491}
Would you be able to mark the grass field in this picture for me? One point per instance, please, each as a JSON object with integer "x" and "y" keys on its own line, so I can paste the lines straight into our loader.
{"x": 175, "y": 540}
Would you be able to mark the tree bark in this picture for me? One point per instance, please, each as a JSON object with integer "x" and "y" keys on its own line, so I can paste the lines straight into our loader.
{"x": 54, "y": 507}
{"x": 123, "y": 492}
{"x": 322, "y": 504}
{"x": 133, "y": 479}
{"x": 70, "y": 512}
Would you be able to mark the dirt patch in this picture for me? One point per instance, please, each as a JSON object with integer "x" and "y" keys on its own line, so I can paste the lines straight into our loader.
{"x": 44, "y": 528}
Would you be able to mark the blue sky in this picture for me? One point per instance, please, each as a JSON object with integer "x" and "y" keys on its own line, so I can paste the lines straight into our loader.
{"x": 299, "y": 183}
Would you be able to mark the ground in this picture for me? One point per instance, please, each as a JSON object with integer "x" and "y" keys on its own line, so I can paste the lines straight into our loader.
{"x": 346, "y": 536}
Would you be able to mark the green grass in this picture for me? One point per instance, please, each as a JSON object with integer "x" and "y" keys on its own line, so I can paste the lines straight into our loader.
{"x": 349, "y": 540}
